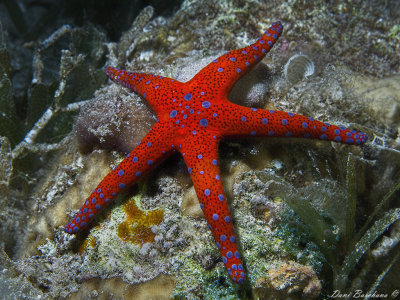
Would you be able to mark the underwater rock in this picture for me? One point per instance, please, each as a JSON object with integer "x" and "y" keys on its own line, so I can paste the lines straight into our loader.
{"x": 14, "y": 286}
{"x": 159, "y": 288}
{"x": 381, "y": 98}
{"x": 190, "y": 204}
{"x": 291, "y": 280}
{"x": 235, "y": 169}
{"x": 130, "y": 38}
{"x": 61, "y": 190}
{"x": 267, "y": 209}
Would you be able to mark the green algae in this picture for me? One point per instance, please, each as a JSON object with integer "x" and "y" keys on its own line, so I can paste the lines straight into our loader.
{"x": 10, "y": 126}
{"x": 14, "y": 286}
{"x": 332, "y": 234}
{"x": 363, "y": 245}
{"x": 351, "y": 200}
{"x": 5, "y": 60}
{"x": 194, "y": 283}
{"x": 6, "y": 168}
{"x": 381, "y": 204}
{"x": 320, "y": 225}
{"x": 380, "y": 278}
{"x": 40, "y": 98}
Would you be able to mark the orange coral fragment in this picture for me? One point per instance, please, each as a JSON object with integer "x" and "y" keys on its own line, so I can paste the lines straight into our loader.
{"x": 137, "y": 226}
{"x": 89, "y": 242}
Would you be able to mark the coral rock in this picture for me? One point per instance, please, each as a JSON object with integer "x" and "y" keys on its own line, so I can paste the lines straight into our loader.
{"x": 289, "y": 280}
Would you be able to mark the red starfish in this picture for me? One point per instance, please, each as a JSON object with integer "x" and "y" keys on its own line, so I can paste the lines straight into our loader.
{"x": 192, "y": 118}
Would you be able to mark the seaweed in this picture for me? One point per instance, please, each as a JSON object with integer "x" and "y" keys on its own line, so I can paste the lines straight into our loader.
{"x": 329, "y": 212}
{"x": 36, "y": 117}
{"x": 351, "y": 199}
{"x": 378, "y": 208}
{"x": 355, "y": 246}
{"x": 379, "y": 280}
{"x": 320, "y": 229}
{"x": 5, "y": 168}
{"x": 363, "y": 245}
{"x": 54, "y": 97}
{"x": 10, "y": 126}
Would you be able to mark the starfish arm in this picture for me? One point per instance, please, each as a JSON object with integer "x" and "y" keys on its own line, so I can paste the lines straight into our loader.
{"x": 244, "y": 121}
{"x": 200, "y": 155}
{"x": 222, "y": 73}
{"x": 151, "y": 150}
{"x": 153, "y": 88}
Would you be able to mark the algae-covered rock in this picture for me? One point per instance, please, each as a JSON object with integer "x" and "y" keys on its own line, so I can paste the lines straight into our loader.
{"x": 289, "y": 280}
{"x": 159, "y": 288}
{"x": 13, "y": 286}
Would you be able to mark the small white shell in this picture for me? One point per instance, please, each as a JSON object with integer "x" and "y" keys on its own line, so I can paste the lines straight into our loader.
{"x": 298, "y": 67}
